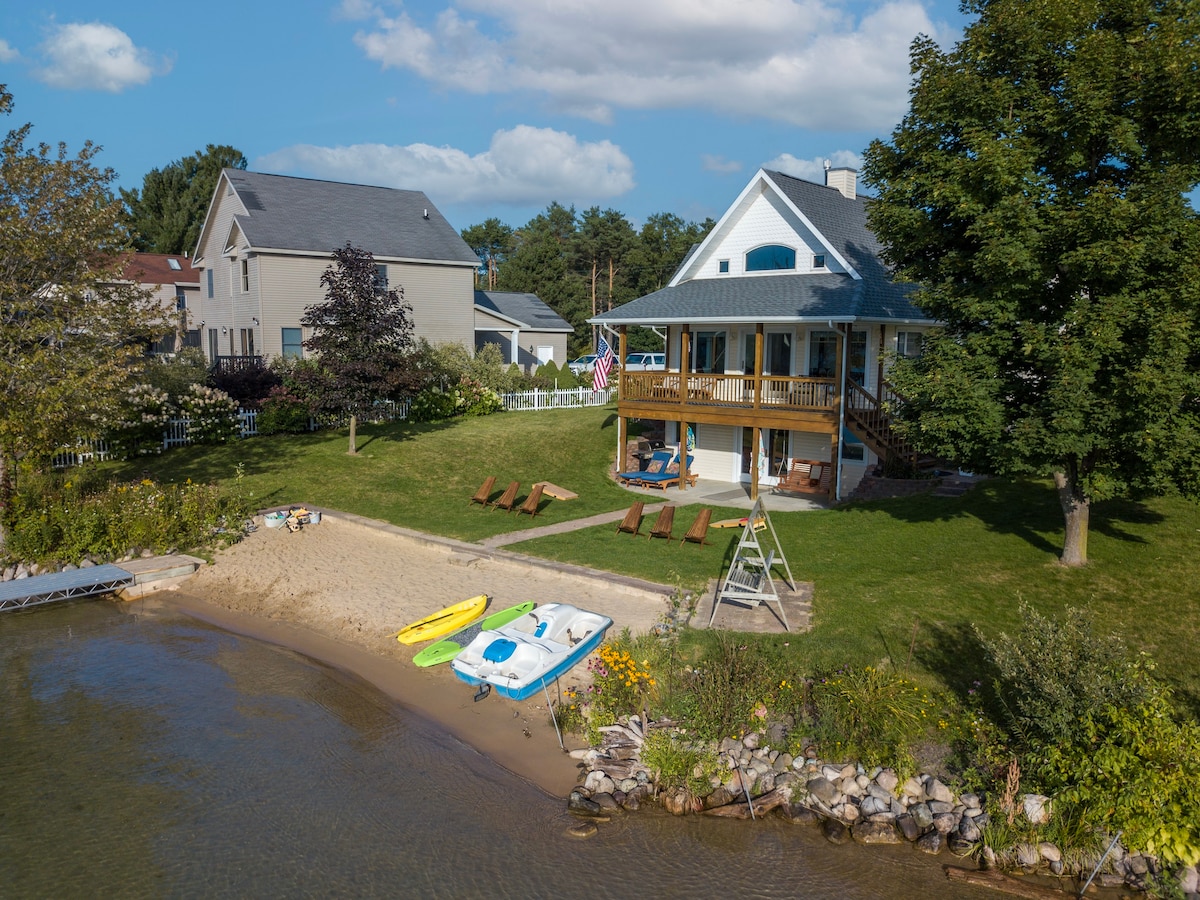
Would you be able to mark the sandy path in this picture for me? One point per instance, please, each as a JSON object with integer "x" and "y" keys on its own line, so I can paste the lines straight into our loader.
{"x": 340, "y": 590}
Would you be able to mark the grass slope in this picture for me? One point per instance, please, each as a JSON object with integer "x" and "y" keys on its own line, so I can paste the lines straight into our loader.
{"x": 896, "y": 580}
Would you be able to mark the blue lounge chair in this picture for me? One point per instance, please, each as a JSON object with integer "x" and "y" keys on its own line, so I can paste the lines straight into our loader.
{"x": 664, "y": 478}
{"x": 657, "y": 463}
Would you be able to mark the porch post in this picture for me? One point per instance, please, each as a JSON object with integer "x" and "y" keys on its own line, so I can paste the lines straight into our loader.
{"x": 622, "y": 421}
{"x": 756, "y": 443}
{"x": 758, "y": 365}
{"x": 684, "y": 363}
{"x": 835, "y": 448}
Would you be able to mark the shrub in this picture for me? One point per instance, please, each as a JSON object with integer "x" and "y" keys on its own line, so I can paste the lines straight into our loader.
{"x": 870, "y": 715}
{"x": 211, "y": 413}
{"x": 471, "y": 398}
{"x": 678, "y": 764}
{"x": 145, "y": 412}
{"x": 248, "y": 385}
{"x": 432, "y": 405}
{"x": 176, "y": 374}
{"x": 283, "y": 412}
{"x": 1053, "y": 675}
{"x": 620, "y": 684}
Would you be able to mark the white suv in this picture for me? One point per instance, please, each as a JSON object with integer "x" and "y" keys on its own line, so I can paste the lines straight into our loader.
{"x": 645, "y": 362}
{"x": 582, "y": 364}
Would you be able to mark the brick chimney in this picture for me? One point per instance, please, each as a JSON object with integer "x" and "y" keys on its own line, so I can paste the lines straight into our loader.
{"x": 844, "y": 180}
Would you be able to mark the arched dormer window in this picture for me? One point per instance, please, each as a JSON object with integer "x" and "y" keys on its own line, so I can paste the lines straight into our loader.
{"x": 770, "y": 258}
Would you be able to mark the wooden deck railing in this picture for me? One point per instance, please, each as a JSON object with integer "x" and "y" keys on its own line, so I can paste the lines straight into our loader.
{"x": 729, "y": 390}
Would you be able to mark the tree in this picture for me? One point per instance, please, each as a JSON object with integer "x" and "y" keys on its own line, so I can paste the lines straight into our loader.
{"x": 663, "y": 242}
{"x": 1035, "y": 194}
{"x": 362, "y": 333}
{"x": 602, "y": 242}
{"x": 492, "y": 242}
{"x": 166, "y": 217}
{"x": 70, "y": 325}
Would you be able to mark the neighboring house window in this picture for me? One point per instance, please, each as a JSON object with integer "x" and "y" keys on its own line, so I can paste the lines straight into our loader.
{"x": 174, "y": 264}
{"x": 247, "y": 342}
{"x": 245, "y": 276}
{"x": 292, "y": 345}
{"x": 192, "y": 338}
{"x": 163, "y": 345}
{"x": 723, "y": 267}
{"x": 909, "y": 343}
{"x": 381, "y": 280}
{"x": 822, "y": 353}
{"x": 770, "y": 257}
{"x": 214, "y": 349}
{"x": 708, "y": 354}
{"x": 819, "y": 261}
{"x": 180, "y": 300}
{"x": 210, "y": 284}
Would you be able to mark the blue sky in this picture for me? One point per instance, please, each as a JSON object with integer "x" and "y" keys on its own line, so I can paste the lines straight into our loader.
{"x": 491, "y": 107}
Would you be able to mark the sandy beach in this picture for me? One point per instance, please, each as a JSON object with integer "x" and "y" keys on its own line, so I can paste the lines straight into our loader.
{"x": 338, "y": 592}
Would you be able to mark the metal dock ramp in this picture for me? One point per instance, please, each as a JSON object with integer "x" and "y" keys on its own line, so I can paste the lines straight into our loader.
{"x": 24, "y": 592}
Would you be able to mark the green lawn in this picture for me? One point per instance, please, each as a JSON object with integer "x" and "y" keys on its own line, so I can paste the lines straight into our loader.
{"x": 893, "y": 580}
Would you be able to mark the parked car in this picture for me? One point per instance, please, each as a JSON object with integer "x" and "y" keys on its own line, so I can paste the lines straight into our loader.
{"x": 582, "y": 364}
{"x": 645, "y": 362}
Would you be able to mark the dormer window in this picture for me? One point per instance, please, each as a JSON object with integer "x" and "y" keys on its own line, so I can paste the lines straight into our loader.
{"x": 770, "y": 258}
{"x": 819, "y": 261}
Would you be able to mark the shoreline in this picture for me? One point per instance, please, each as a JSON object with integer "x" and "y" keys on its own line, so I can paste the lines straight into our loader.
{"x": 338, "y": 592}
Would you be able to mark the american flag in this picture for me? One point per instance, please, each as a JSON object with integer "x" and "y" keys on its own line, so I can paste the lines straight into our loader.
{"x": 604, "y": 362}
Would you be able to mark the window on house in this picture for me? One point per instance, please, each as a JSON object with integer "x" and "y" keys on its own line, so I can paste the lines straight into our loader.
{"x": 909, "y": 343}
{"x": 770, "y": 257}
{"x": 822, "y": 353}
{"x": 381, "y": 279}
{"x": 174, "y": 264}
{"x": 245, "y": 276}
{"x": 180, "y": 300}
{"x": 210, "y": 284}
{"x": 749, "y": 342}
{"x": 778, "y": 353}
{"x": 774, "y": 441}
{"x": 214, "y": 348}
{"x": 292, "y": 345}
{"x": 164, "y": 344}
{"x": 858, "y": 357}
{"x": 819, "y": 261}
{"x": 192, "y": 338}
{"x": 723, "y": 267}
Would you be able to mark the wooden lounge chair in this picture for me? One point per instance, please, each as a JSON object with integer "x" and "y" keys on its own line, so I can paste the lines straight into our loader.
{"x": 530, "y": 505}
{"x": 485, "y": 492}
{"x": 633, "y": 519}
{"x": 509, "y": 498}
{"x": 699, "y": 530}
{"x": 664, "y": 523}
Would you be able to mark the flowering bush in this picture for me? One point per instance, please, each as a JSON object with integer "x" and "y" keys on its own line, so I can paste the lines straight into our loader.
{"x": 211, "y": 413}
{"x": 620, "y": 685}
{"x": 145, "y": 411}
{"x": 472, "y": 398}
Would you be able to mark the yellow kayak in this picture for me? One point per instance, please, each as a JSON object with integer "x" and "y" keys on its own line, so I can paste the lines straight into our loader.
{"x": 443, "y": 621}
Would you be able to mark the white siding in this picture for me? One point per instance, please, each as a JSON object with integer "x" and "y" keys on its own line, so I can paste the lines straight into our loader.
{"x": 766, "y": 221}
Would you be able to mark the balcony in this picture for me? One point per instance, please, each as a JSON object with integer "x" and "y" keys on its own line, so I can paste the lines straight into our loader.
{"x": 770, "y": 400}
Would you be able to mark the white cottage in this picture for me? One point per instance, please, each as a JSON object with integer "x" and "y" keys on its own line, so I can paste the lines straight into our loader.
{"x": 779, "y": 326}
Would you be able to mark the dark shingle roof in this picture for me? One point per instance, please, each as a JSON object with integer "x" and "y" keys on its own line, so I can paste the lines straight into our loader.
{"x": 286, "y": 213}
{"x": 525, "y": 309}
{"x": 751, "y": 298}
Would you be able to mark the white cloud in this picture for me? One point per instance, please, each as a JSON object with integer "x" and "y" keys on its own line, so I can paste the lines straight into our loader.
{"x": 524, "y": 166}
{"x": 8, "y": 53}
{"x": 814, "y": 169}
{"x": 719, "y": 164}
{"x": 96, "y": 56}
{"x": 810, "y": 63}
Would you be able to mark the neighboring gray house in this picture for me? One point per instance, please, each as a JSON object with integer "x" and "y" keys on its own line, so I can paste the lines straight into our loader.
{"x": 779, "y": 328}
{"x": 528, "y": 331}
{"x": 268, "y": 238}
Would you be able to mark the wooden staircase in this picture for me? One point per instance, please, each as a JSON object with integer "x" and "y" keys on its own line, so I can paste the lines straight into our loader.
{"x": 868, "y": 419}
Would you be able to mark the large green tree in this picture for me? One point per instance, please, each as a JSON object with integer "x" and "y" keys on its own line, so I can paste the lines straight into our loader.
{"x": 362, "y": 334}
{"x": 492, "y": 242}
{"x": 1035, "y": 193}
{"x": 70, "y": 325}
{"x": 167, "y": 214}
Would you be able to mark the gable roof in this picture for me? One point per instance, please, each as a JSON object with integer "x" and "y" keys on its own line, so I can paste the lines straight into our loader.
{"x": 523, "y": 310}
{"x": 312, "y": 216}
{"x": 865, "y": 293}
{"x": 157, "y": 268}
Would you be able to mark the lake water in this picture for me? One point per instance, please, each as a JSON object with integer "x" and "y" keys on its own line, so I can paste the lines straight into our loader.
{"x": 152, "y": 755}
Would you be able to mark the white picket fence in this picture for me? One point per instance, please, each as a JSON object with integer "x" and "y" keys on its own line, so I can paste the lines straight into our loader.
{"x": 176, "y": 432}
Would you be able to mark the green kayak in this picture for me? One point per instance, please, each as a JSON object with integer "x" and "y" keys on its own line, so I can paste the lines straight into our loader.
{"x": 445, "y": 650}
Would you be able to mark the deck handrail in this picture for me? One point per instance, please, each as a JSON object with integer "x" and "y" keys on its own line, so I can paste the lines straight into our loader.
{"x": 731, "y": 390}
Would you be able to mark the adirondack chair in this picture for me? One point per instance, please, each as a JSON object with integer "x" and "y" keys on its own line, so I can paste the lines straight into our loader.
{"x": 633, "y": 519}
{"x": 664, "y": 523}
{"x": 530, "y": 505}
{"x": 484, "y": 493}
{"x": 698, "y": 533}
{"x": 509, "y": 498}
